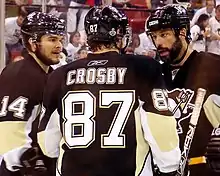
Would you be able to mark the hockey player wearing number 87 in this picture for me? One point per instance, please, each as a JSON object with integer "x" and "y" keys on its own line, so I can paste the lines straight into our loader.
{"x": 110, "y": 120}
{"x": 21, "y": 91}
{"x": 185, "y": 70}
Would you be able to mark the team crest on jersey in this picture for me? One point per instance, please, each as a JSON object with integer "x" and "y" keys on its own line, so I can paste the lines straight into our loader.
{"x": 180, "y": 103}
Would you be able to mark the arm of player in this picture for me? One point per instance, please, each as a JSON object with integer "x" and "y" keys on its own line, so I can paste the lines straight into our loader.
{"x": 158, "y": 123}
{"x": 212, "y": 109}
{"x": 161, "y": 134}
{"x": 49, "y": 135}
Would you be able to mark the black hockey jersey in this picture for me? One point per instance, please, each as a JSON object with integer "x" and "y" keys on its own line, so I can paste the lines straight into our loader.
{"x": 201, "y": 70}
{"x": 102, "y": 115}
{"x": 21, "y": 93}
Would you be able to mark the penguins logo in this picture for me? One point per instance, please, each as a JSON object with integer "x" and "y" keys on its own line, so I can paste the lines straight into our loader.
{"x": 180, "y": 104}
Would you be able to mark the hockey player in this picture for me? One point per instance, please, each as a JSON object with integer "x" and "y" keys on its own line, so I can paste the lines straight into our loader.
{"x": 185, "y": 71}
{"x": 21, "y": 91}
{"x": 112, "y": 111}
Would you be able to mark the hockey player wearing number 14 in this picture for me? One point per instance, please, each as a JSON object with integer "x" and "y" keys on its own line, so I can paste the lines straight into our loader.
{"x": 185, "y": 71}
{"x": 21, "y": 90}
{"x": 107, "y": 109}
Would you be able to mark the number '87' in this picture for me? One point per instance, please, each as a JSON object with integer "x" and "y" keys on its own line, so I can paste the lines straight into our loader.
{"x": 84, "y": 120}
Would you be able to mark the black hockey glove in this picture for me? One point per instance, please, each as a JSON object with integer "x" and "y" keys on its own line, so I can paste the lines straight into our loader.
{"x": 213, "y": 153}
{"x": 32, "y": 163}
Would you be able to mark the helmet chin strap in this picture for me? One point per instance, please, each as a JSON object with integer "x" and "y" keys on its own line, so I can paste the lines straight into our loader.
{"x": 121, "y": 48}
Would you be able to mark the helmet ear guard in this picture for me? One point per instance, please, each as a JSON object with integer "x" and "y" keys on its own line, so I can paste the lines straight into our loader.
{"x": 32, "y": 40}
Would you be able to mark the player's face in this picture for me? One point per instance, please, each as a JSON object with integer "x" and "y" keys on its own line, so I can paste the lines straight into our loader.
{"x": 49, "y": 49}
{"x": 167, "y": 44}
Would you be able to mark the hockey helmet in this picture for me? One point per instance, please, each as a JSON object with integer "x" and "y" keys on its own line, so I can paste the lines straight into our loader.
{"x": 105, "y": 24}
{"x": 172, "y": 16}
{"x": 37, "y": 24}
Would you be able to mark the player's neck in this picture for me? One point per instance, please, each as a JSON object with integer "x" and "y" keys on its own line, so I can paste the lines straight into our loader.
{"x": 40, "y": 63}
{"x": 106, "y": 50}
{"x": 187, "y": 54}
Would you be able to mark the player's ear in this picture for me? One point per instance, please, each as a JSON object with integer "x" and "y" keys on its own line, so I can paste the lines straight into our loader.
{"x": 32, "y": 43}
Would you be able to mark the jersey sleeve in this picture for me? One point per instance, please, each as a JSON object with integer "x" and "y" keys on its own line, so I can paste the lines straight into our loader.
{"x": 49, "y": 134}
{"x": 212, "y": 109}
{"x": 158, "y": 123}
{"x": 20, "y": 96}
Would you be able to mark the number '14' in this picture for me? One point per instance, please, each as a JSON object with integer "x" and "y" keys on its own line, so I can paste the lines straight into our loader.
{"x": 17, "y": 107}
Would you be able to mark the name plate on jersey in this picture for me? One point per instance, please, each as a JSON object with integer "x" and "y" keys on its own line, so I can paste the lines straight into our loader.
{"x": 110, "y": 75}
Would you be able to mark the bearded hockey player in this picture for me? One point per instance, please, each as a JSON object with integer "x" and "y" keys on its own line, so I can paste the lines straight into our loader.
{"x": 107, "y": 105}
{"x": 21, "y": 93}
{"x": 185, "y": 71}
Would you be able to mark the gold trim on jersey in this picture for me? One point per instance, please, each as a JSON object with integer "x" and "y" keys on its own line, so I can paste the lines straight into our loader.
{"x": 212, "y": 112}
{"x": 13, "y": 135}
{"x": 41, "y": 141}
{"x": 143, "y": 148}
{"x": 166, "y": 138}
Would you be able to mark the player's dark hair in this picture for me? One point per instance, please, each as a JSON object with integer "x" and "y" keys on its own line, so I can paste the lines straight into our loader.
{"x": 96, "y": 45}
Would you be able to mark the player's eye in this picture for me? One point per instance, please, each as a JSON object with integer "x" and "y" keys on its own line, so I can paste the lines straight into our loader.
{"x": 163, "y": 35}
{"x": 52, "y": 39}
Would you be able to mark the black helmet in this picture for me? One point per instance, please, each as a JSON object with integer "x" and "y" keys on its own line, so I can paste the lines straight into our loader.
{"x": 37, "y": 24}
{"x": 105, "y": 24}
{"x": 172, "y": 16}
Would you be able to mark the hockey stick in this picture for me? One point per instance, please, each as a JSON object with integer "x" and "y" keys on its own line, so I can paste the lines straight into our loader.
{"x": 192, "y": 127}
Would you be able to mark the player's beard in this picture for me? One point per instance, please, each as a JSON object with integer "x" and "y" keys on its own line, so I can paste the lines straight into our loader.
{"x": 173, "y": 52}
{"x": 41, "y": 56}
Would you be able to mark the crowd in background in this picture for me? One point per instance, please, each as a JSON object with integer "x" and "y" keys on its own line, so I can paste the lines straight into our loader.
{"x": 205, "y": 28}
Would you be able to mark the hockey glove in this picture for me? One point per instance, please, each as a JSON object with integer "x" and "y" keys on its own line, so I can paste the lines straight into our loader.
{"x": 32, "y": 163}
{"x": 213, "y": 153}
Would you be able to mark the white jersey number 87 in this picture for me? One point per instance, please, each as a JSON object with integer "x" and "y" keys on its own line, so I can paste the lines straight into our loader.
{"x": 84, "y": 118}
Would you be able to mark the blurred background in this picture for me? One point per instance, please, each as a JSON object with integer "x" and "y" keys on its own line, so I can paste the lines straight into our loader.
{"x": 73, "y": 11}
